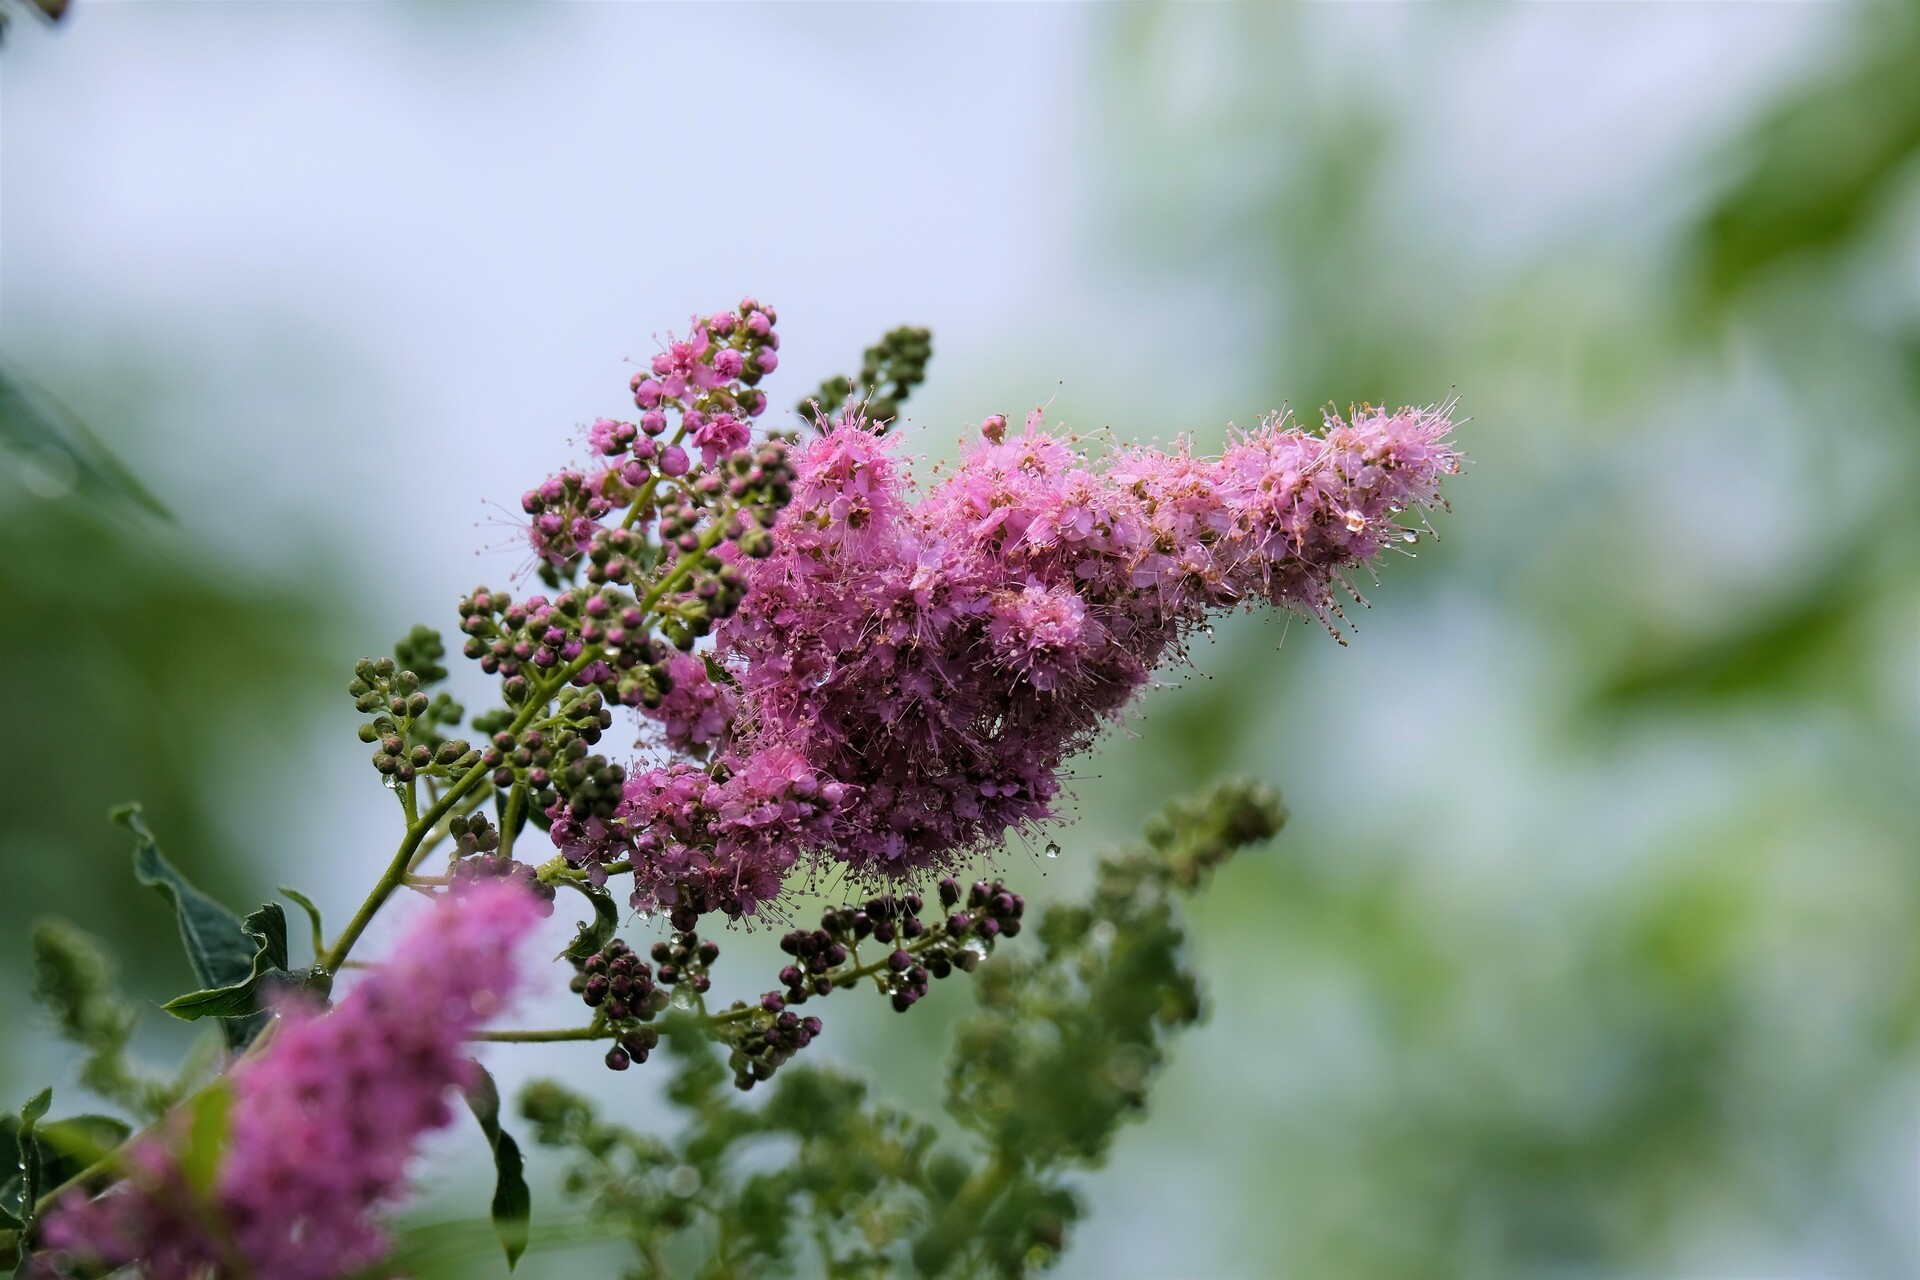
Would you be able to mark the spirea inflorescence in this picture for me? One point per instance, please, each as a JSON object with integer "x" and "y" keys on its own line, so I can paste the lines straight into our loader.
{"x": 897, "y": 678}
{"x": 830, "y": 668}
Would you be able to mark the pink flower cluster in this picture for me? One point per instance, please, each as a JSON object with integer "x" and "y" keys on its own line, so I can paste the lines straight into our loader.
{"x": 912, "y": 675}
{"x": 705, "y": 380}
{"x": 696, "y": 711}
{"x": 324, "y": 1120}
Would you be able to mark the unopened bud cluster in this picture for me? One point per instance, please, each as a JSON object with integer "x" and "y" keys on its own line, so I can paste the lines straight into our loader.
{"x": 918, "y": 951}
{"x": 889, "y": 371}
{"x": 405, "y": 720}
{"x": 556, "y": 762}
{"x": 477, "y": 859}
{"x": 619, "y": 987}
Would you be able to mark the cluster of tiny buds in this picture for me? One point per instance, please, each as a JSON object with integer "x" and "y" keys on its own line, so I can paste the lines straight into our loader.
{"x": 889, "y": 371}
{"x": 620, "y": 987}
{"x": 518, "y": 640}
{"x": 564, "y": 510}
{"x": 707, "y": 379}
{"x": 770, "y": 1033}
{"x": 555, "y": 762}
{"x": 477, "y": 858}
{"x": 767, "y": 1044}
{"x": 685, "y": 959}
{"x": 402, "y": 714}
{"x": 993, "y": 910}
{"x": 937, "y": 949}
{"x": 705, "y": 374}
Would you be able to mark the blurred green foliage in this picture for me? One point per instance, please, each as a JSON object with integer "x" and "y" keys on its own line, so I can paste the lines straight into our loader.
{"x": 1064, "y": 1048}
{"x": 1650, "y": 1017}
{"x": 1593, "y": 948}
{"x": 75, "y": 981}
{"x": 140, "y": 666}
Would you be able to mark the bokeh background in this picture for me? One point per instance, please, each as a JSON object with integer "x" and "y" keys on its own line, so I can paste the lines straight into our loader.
{"x": 1592, "y": 949}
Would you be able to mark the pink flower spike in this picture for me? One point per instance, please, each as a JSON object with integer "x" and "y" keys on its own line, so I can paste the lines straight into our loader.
{"x": 326, "y": 1118}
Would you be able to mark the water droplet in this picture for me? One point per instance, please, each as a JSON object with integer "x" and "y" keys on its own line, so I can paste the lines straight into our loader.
{"x": 1408, "y": 535}
{"x": 1053, "y": 849}
{"x": 49, "y": 473}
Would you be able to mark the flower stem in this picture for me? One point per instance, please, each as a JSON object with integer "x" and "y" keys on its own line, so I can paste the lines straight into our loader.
{"x": 843, "y": 977}
{"x": 545, "y": 1037}
{"x": 418, "y": 829}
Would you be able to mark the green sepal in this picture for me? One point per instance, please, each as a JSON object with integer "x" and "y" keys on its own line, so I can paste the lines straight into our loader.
{"x": 208, "y": 1129}
{"x": 511, "y": 820}
{"x": 305, "y": 903}
{"x": 26, "y": 1163}
{"x": 598, "y": 932}
{"x": 217, "y": 943}
{"x": 512, "y": 1207}
{"x": 267, "y": 927}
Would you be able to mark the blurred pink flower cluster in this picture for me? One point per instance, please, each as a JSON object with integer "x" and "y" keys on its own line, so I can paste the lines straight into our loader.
{"x": 323, "y": 1120}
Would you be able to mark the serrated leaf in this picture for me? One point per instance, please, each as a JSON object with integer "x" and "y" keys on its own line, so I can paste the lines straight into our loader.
{"x": 208, "y": 1129}
{"x": 217, "y": 944}
{"x": 49, "y": 437}
{"x": 512, "y": 1207}
{"x": 267, "y": 927}
{"x": 305, "y": 903}
{"x": 598, "y": 932}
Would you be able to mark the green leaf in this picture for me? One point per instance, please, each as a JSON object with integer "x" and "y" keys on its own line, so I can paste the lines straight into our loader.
{"x": 305, "y": 903}
{"x": 1822, "y": 165}
{"x": 598, "y": 932}
{"x": 207, "y": 1133}
{"x": 512, "y": 1207}
{"x": 45, "y": 1156}
{"x": 439, "y": 1247}
{"x": 11, "y": 1207}
{"x": 73, "y": 1144}
{"x": 63, "y": 453}
{"x": 268, "y": 929}
{"x": 218, "y": 946}
{"x": 21, "y": 1190}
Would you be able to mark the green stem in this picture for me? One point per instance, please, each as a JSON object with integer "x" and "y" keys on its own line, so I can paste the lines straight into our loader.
{"x": 440, "y": 831}
{"x": 708, "y": 541}
{"x": 396, "y": 872}
{"x": 417, "y": 831}
{"x": 510, "y": 820}
{"x": 600, "y": 1031}
{"x": 545, "y": 1037}
{"x": 110, "y": 1167}
{"x": 976, "y": 1197}
{"x": 644, "y": 494}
